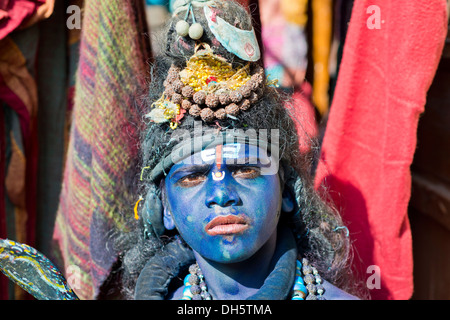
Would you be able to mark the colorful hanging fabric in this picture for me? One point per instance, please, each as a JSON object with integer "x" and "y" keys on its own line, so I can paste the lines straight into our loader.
{"x": 322, "y": 20}
{"x": 103, "y": 140}
{"x": 16, "y": 14}
{"x": 387, "y": 67}
{"x": 286, "y": 59}
{"x": 285, "y": 42}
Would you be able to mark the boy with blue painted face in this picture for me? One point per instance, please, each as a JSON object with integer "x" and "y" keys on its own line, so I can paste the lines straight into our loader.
{"x": 238, "y": 226}
{"x": 228, "y": 202}
{"x": 227, "y": 211}
{"x": 229, "y": 205}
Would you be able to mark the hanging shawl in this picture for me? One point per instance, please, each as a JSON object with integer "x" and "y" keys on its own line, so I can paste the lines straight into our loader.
{"x": 103, "y": 139}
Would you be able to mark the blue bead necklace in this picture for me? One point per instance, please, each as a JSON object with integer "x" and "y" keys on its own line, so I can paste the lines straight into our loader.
{"x": 194, "y": 285}
{"x": 307, "y": 283}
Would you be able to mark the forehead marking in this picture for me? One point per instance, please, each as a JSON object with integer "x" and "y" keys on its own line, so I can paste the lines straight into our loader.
{"x": 228, "y": 151}
{"x": 219, "y": 156}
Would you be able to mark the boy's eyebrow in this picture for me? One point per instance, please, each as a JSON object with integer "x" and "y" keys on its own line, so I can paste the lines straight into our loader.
{"x": 193, "y": 167}
{"x": 247, "y": 160}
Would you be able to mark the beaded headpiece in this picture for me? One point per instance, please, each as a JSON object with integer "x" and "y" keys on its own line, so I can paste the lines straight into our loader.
{"x": 209, "y": 87}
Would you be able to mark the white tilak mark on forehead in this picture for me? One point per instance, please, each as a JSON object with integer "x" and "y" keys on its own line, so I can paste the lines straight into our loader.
{"x": 229, "y": 151}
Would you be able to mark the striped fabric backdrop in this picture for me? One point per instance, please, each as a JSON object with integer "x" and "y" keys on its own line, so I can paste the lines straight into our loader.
{"x": 103, "y": 139}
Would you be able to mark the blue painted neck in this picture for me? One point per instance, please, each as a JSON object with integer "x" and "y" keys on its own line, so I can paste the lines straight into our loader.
{"x": 269, "y": 274}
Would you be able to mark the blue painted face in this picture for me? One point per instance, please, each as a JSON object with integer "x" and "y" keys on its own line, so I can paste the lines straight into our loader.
{"x": 223, "y": 203}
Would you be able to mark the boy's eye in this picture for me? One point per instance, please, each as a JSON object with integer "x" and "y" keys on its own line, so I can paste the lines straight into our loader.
{"x": 192, "y": 179}
{"x": 247, "y": 172}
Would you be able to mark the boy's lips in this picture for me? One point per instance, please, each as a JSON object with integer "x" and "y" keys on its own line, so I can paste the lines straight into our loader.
{"x": 226, "y": 225}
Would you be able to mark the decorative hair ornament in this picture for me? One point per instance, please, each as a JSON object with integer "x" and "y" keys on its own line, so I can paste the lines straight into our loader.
{"x": 165, "y": 110}
{"x": 209, "y": 88}
{"x": 195, "y": 31}
{"x": 136, "y": 214}
{"x": 242, "y": 43}
{"x": 347, "y": 232}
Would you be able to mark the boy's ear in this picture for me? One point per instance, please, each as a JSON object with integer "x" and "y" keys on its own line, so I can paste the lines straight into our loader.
{"x": 169, "y": 223}
{"x": 287, "y": 204}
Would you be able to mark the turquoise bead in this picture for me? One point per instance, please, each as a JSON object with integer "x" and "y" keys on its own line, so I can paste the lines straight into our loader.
{"x": 299, "y": 265}
{"x": 299, "y": 280}
{"x": 187, "y": 292}
{"x": 300, "y": 287}
{"x": 186, "y": 280}
{"x": 297, "y": 298}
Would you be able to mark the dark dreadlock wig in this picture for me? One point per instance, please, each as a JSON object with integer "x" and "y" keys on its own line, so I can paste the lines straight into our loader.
{"x": 314, "y": 223}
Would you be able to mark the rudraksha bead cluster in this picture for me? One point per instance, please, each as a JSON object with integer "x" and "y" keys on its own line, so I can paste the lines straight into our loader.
{"x": 214, "y": 101}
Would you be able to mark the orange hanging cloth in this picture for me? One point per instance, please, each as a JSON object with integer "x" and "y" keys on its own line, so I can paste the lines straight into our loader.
{"x": 322, "y": 21}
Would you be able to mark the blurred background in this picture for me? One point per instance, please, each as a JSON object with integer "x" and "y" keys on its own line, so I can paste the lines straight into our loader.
{"x": 302, "y": 43}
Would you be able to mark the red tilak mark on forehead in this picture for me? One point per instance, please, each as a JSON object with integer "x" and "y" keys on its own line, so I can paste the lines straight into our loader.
{"x": 219, "y": 156}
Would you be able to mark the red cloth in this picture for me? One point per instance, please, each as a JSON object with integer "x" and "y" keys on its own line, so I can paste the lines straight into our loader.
{"x": 370, "y": 138}
{"x": 15, "y": 12}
